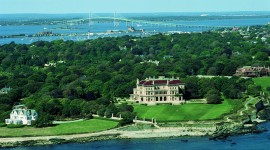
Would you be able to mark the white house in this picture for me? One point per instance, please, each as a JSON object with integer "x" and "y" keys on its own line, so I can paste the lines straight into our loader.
{"x": 21, "y": 115}
{"x": 5, "y": 90}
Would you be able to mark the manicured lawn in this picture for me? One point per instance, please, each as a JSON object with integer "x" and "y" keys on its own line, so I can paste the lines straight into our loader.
{"x": 87, "y": 126}
{"x": 187, "y": 111}
{"x": 263, "y": 81}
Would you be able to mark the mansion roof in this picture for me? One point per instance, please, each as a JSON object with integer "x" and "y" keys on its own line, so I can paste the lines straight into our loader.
{"x": 250, "y": 69}
{"x": 160, "y": 81}
{"x": 22, "y": 110}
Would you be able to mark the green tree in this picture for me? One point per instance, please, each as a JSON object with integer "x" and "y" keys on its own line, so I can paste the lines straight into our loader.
{"x": 254, "y": 90}
{"x": 261, "y": 56}
{"x": 213, "y": 97}
{"x": 44, "y": 120}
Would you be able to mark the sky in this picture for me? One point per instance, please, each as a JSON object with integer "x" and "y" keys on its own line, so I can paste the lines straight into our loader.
{"x": 130, "y": 6}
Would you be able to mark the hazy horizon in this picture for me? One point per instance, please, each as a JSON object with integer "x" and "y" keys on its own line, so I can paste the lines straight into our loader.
{"x": 125, "y": 6}
{"x": 217, "y": 12}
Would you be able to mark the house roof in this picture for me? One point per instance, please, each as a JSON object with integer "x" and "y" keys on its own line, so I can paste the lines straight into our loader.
{"x": 252, "y": 69}
{"x": 5, "y": 89}
{"x": 175, "y": 82}
{"x": 148, "y": 83}
{"x": 30, "y": 112}
{"x": 159, "y": 82}
{"x": 142, "y": 82}
{"x": 22, "y": 110}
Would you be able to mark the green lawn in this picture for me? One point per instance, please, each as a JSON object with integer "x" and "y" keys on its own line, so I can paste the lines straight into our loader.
{"x": 263, "y": 81}
{"x": 187, "y": 111}
{"x": 87, "y": 126}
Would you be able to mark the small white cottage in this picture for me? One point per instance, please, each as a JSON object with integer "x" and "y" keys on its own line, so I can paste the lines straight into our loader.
{"x": 21, "y": 115}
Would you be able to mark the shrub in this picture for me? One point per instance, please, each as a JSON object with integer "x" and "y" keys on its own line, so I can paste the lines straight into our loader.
{"x": 88, "y": 116}
{"x": 213, "y": 97}
{"x": 125, "y": 121}
{"x": 15, "y": 126}
{"x": 2, "y": 125}
{"x": 268, "y": 88}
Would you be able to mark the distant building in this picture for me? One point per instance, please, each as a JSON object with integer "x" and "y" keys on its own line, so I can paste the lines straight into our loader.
{"x": 158, "y": 91}
{"x": 263, "y": 39}
{"x": 50, "y": 64}
{"x": 151, "y": 61}
{"x": 5, "y": 90}
{"x": 249, "y": 71}
{"x": 132, "y": 29}
{"x": 21, "y": 115}
{"x": 45, "y": 33}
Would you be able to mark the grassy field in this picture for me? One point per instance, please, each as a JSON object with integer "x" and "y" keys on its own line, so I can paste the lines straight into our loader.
{"x": 87, "y": 126}
{"x": 263, "y": 81}
{"x": 187, "y": 111}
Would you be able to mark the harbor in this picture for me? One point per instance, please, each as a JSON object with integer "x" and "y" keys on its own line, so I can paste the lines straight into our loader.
{"x": 90, "y": 28}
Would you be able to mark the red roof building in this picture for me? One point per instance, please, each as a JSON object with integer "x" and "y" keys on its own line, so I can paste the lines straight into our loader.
{"x": 249, "y": 71}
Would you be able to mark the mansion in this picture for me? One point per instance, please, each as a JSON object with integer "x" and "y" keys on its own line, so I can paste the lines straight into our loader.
{"x": 249, "y": 71}
{"x": 159, "y": 90}
{"x": 21, "y": 115}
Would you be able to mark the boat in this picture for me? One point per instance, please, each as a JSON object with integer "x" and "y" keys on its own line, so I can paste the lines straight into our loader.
{"x": 204, "y": 15}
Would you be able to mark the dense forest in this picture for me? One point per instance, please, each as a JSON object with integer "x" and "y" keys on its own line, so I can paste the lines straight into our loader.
{"x": 67, "y": 79}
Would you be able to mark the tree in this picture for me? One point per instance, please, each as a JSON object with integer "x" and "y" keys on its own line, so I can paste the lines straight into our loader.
{"x": 125, "y": 107}
{"x": 192, "y": 87}
{"x": 101, "y": 110}
{"x": 232, "y": 93}
{"x": 213, "y": 97}
{"x": 74, "y": 108}
{"x": 44, "y": 120}
{"x": 268, "y": 88}
{"x": 127, "y": 117}
{"x": 254, "y": 90}
{"x": 111, "y": 109}
{"x": 261, "y": 56}
{"x": 212, "y": 71}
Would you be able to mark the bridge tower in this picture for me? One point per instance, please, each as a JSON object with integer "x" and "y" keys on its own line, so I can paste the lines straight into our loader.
{"x": 115, "y": 23}
{"x": 90, "y": 23}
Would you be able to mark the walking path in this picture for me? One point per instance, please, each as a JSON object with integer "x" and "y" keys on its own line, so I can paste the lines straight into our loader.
{"x": 61, "y": 122}
{"x": 241, "y": 111}
{"x": 246, "y": 105}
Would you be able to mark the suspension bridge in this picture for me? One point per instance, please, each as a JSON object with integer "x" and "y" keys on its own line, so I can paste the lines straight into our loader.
{"x": 116, "y": 19}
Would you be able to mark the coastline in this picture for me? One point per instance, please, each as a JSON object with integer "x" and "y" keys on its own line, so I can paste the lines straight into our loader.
{"x": 118, "y": 133}
{"x": 230, "y": 125}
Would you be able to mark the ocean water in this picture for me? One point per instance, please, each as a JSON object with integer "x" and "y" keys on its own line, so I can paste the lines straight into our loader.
{"x": 240, "y": 142}
{"x": 102, "y": 27}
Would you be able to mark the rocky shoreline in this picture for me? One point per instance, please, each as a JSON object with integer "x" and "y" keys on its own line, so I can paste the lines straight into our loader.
{"x": 219, "y": 134}
{"x": 54, "y": 141}
{"x": 224, "y": 133}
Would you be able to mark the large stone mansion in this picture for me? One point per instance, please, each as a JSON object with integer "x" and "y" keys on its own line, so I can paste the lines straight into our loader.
{"x": 159, "y": 90}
